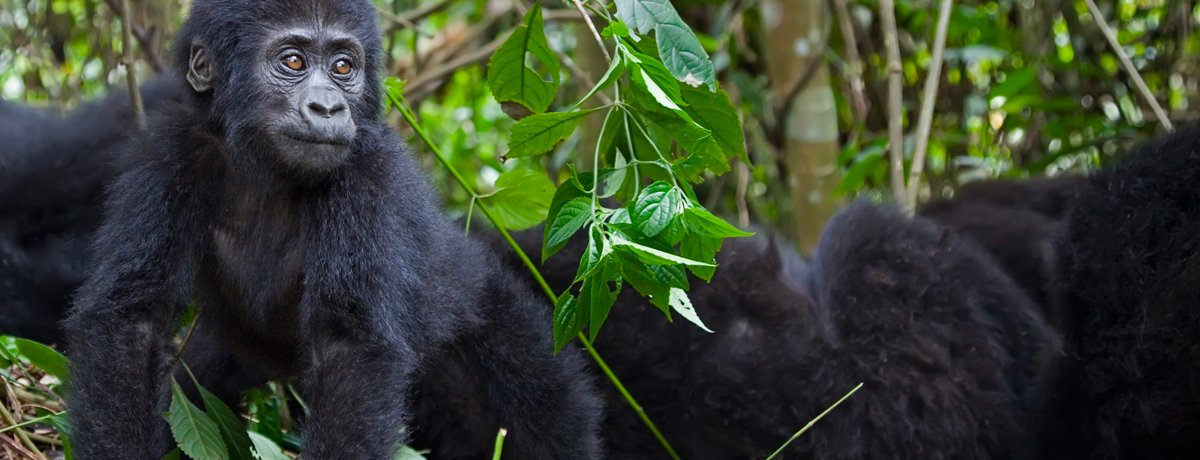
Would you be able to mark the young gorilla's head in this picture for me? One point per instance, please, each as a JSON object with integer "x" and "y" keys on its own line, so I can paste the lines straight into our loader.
{"x": 297, "y": 78}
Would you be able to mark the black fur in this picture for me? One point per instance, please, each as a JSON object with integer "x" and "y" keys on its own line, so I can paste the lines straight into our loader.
{"x": 52, "y": 174}
{"x": 1130, "y": 284}
{"x": 348, "y": 278}
{"x": 949, "y": 349}
{"x": 1015, "y": 221}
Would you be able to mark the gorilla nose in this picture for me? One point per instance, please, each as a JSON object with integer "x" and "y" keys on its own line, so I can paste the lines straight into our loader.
{"x": 326, "y": 104}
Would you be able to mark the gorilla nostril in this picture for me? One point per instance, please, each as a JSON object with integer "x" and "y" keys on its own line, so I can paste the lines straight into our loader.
{"x": 319, "y": 109}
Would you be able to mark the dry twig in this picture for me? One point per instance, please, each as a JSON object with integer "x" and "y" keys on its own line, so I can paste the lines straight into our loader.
{"x": 895, "y": 99}
{"x": 1128, "y": 65}
{"x": 925, "y": 121}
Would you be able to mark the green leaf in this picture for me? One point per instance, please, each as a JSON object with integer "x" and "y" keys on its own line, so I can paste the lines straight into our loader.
{"x": 45, "y": 358}
{"x": 593, "y": 256}
{"x": 654, "y": 208}
{"x": 569, "y": 220}
{"x": 615, "y": 29}
{"x": 568, "y": 320}
{"x": 172, "y": 455}
{"x": 537, "y": 134}
{"x": 522, "y": 199}
{"x": 653, "y": 281}
{"x": 715, "y": 113}
{"x": 408, "y": 453}
{"x": 394, "y": 87}
{"x": 265, "y": 448}
{"x": 651, "y": 256}
{"x": 859, "y": 172}
{"x": 597, "y": 299}
{"x": 656, "y": 79}
{"x": 701, "y": 248}
{"x": 703, "y": 150}
{"x": 62, "y": 423}
{"x": 614, "y": 72}
{"x": 196, "y": 434}
{"x": 510, "y": 79}
{"x": 683, "y": 305}
{"x": 230, "y": 425}
{"x": 702, "y": 222}
{"x": 680, "y": 49}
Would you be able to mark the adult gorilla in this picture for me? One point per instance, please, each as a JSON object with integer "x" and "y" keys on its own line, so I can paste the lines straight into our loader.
{"x": 276, "y": 198}
{"x": 1015, "y": 221}
{"x": 1130, "y": 288}
{"x": 949, "y": 349}
{"x": 52, "y": 173}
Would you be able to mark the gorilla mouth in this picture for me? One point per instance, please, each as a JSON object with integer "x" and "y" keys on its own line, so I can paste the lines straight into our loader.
{"x": 310, "y": 138}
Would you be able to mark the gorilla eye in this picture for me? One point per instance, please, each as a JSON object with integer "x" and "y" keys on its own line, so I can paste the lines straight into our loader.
{"x": 342, "y": 67}
{"x": 294, "y": 62}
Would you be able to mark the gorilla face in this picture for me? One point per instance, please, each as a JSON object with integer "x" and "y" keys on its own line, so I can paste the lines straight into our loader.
{"x": 305, "y": 82}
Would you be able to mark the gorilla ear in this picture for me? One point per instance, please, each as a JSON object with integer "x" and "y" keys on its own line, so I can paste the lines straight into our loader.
{"x": 200, "y": 73}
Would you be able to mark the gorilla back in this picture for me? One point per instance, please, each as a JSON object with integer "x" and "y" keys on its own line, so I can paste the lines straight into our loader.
{"x": 1131, "y": 310}
{"x": 276, "y": 198}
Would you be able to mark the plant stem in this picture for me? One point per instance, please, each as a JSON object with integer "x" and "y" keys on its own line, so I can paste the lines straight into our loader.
{"x": 12, "y": 423}
{"x": 599, "y": 40}
{"x": 1128, "y": 65}
{"x": 499, "y": 444}
{"x": 812, "y": 422}
{"x": 402, "y": 106}
{"x": 891, "y": 40}
{"x": 135, "y": 96}
{"x": 925, "y": 120}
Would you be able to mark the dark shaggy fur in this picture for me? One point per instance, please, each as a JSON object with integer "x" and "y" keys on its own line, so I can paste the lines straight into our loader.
{"x": 347, "y": 278}
{"x": 948, "y": 348}
{"x": 1130, "y": 283}
{"x": 52, "y": 171}
{"x": 1015, "y": 221}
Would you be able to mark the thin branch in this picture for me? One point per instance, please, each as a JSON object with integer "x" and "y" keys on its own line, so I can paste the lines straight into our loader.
{"x": 1128, "y": 65}
{"x": 588, "y": 19}
{"x": 188, "y": 337}
{"x": 925, "y": 121}
{"x": 583, "y": 77}
{"x": 891, "y": 41}
{"x": 854, "y": 66}
{"x": 135, "y": 96}
{"x": 11, "y": 421}
{"x": 564, "y": 14}
{"x": 419, "y": 84}
{"x": 412, "y": 16}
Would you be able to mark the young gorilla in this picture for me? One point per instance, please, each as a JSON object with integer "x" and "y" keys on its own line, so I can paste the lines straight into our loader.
{"x": 276, "y": 198}
{"x": 948, "y": 348}
{"x": 1130, "y": 285}
{"x": 1015, "y": 221}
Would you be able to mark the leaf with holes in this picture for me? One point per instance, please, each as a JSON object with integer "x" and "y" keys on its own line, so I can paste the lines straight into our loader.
{"x": 195, "y": 433}
{"x": 537, "y": 134}
{"x": 683, "y": 305}
{"x": 266, "y": 449}
{"x": 510, "y": 79}
{"x": 681, "y": 51}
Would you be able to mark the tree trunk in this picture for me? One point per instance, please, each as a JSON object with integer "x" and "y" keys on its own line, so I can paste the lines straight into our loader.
{"x": 796, "y": 39}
